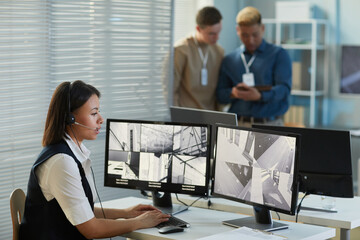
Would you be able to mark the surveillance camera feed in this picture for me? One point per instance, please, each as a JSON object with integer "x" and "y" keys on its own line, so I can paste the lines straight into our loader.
{"x": 255, "y": 167}
{"x": 156, "y": 156}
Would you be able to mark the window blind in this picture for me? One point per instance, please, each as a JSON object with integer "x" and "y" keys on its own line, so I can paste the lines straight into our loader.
{"x": 118, "y": 46}
{"x": 185, "y": 16}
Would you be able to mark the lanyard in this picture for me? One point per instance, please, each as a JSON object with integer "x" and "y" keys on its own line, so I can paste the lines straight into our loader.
{"x": 203, "y": 58}
{"x": 247, "y": 65}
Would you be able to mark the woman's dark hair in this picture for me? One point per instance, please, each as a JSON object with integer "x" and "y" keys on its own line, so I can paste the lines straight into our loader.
{"x": 66, "y": 99}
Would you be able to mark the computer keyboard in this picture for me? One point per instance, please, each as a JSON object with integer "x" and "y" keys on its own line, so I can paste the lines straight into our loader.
{"x": 174, "y": 221}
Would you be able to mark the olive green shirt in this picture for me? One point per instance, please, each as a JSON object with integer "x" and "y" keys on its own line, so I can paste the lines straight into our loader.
{"x": 188, "y": 90}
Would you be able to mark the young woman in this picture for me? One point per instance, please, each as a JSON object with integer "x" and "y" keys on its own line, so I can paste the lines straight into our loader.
{"x": 61, "y": 191}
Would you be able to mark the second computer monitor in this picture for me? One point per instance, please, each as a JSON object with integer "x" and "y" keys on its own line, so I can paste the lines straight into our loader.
{"x": 257, "y": 167}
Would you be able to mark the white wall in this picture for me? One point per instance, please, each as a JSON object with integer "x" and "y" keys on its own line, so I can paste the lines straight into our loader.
{"x": 228, "y": 37}
{"x": 349, "y": 22}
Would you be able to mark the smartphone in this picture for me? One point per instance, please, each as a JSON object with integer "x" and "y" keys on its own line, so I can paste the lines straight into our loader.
{"x": 258, "y": 87}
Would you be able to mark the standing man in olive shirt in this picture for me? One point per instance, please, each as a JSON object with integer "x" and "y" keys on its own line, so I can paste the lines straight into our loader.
{"x": 197, "y": 60}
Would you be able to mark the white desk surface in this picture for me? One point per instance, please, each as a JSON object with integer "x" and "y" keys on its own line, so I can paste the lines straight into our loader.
{"x": 347, "y": 217}
{"x": 205, "y": 222}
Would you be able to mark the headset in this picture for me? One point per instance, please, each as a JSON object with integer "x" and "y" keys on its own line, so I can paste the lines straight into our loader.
{"x": 70, "y": 118}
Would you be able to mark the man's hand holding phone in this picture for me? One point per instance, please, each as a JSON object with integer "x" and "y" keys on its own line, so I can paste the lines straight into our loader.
{"x": 243, "y": 91}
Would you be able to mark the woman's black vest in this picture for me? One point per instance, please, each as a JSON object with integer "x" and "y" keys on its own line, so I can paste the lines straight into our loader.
{"x": 43, "y": 219}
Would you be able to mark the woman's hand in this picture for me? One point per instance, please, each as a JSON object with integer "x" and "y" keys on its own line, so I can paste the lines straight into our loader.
{"x": 151, "y": 218}
{"x": 138, "y": 210}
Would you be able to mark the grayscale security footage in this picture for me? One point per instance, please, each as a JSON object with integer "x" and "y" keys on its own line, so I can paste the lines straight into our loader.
{"x": 255, "y": 167}
{"x": 158, "y": 152}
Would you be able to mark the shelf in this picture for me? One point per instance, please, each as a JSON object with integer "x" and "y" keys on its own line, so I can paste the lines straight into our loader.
{"x": 307, "y": 93}
{"x": 295, "y": 21}
{"x": 302, "y": 46}
{"x": 309, "y": 36}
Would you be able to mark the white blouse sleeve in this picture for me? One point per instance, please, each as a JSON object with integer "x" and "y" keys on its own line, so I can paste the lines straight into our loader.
{"x": 59, "y": 178}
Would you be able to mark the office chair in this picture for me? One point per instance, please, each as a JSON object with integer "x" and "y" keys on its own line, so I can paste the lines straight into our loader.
{"x": 17, "y": 205}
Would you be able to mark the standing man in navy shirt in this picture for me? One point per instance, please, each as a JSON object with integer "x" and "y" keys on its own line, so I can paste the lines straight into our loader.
{"x": 256, "y": 63}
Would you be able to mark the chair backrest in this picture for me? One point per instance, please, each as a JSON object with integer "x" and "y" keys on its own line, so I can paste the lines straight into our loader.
{"x": 17, "y": 205}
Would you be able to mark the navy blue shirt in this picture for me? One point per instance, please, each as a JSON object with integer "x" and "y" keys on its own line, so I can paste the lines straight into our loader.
{"x": 272, "y": 66}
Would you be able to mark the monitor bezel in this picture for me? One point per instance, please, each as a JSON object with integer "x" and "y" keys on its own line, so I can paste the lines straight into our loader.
{"x": 295, "y": 184}
{"x": 151, "y": 185}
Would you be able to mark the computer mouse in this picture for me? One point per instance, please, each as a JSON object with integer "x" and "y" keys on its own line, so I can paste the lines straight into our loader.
{"x": 170, "y": 229}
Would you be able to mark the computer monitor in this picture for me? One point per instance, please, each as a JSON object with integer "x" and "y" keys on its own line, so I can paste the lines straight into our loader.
{"x": 350, "y": 65}
{"x": 162, "y": 157}
{"x": 325, "y": 160}
{"x": 193, "y": 115}
{"x": 257, "y": 167}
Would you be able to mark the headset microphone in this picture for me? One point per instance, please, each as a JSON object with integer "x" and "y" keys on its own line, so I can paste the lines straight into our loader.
{"x": 76, "y": 123}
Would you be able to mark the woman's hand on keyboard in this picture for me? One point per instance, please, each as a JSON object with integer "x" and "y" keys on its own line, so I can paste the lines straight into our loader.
{"x": 151, "y": 218}
{"x": 138, "y": 210}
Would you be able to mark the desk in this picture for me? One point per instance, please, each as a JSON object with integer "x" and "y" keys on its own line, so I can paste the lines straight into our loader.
{"x": 347, "y": 217}
{"x": 205, "y": 222}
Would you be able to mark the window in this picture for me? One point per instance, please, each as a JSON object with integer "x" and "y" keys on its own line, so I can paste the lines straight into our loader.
{"x": 118, "y": 46}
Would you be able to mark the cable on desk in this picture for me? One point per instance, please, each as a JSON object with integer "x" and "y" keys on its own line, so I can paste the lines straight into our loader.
{"x": 145, "y": 194}
{"x": 299, "y": 206}
{"x": 194, "y": 201}
{"x": 209, "y": 203}
{"x": 97, "y": 193}
{"x": 278, "y": 215}
{"x": 177, "y": 198}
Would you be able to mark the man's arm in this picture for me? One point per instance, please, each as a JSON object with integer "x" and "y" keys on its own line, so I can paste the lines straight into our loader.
{"x": 224, "y": 87}
{"x": 282, "y": 77}
{"x": 179, "y": 66}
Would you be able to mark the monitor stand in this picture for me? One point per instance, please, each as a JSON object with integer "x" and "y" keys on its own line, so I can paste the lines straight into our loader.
{"x": 164, "y": 203}
{"x": 261, "y": 221}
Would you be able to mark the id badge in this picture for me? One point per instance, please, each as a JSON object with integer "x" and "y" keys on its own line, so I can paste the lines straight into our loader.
{"x": 249, "y": 79}
{"x": 204, "y": 77}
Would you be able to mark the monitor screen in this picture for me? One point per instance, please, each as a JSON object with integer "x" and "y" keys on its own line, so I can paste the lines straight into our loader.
{"x": 158, "y": 156}
{"x": 350, "y": 69}
{"x": 257, "y": 167}
{"x": 325, "y": 160}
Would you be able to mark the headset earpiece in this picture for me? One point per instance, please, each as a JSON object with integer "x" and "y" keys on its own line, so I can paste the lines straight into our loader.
{"x": 70, "y": 118}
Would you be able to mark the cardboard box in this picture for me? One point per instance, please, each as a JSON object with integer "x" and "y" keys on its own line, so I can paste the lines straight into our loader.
{"x": 296, "y": 75}
{"x": 294, "y": 117}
